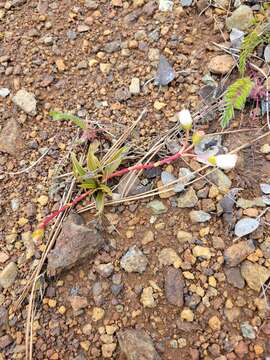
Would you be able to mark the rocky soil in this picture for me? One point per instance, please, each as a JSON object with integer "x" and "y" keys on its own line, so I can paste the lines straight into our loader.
{"x": 168, "y": 278}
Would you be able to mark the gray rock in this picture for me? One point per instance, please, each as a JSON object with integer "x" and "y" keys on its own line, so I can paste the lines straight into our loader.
{"x": 47, "y": 40}
{"x": 185, "y": 176}
{"x": 246, "y": 203}
{"x": 105, "y": 270}
{"x": 10, "y": 139}
{"x": 174, "y": 286}
{"x": 187, "y": 200}
{"x": 157, "y": 207}
{"x": 247, "y": 331}
{"x": 234, "y": 277}
{"x": 220, "y": 179}
{"x": 241, "y": 18}
{"x": 254, "y": 274}
{"x": 122, "y": 94}
{"x": 236, "y": 37}
{"x": 266, "y": 54}
{"x": 75, "y": 243}
{"x": 8, "y": 275}
{"x": 82, "y": 65}
{"x": 265, "y": 188}
{"x": 236, "y": 253}
{"x": 185, "y": 3}
{"x": 98, "y": 290}
{"x": 17, "y": 2}
{"x": 265, "y": 247}
{"x": 134, "y": 86}
{"x": 134, "y": 260}
{"x": 153, "y": 54}
{"x": 83, "y": 28}
{"x": 71, "y": 34}
{"x": 15, "y": 204}
{"x": 246, "y": 226}
{"x": 165, "y": 73}
{"x": 4, "y": 92}
{"x": 26, "y": 101}
{"x": 199, "y": 216}
{"x": 91, "y": 4}
{"x": 137, "y": 345}
{"x": 112, "y": 46}
{"x": 165, "y": 5}
{"x": 116, "y": 289}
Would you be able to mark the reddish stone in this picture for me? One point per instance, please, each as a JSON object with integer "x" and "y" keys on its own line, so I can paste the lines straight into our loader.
{"x": 241, "y": 349}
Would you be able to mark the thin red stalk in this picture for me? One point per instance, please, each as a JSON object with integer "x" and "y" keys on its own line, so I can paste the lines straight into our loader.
{"x": 151, "y": 165}
{"x": 63, "y": 208}
{"x": 118, "y": 173}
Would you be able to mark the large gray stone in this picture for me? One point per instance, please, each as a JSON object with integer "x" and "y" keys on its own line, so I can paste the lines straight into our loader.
{"x": 241, "y": 18}
{"x": 75, "y": 243}
{"x": 26, "y": 101}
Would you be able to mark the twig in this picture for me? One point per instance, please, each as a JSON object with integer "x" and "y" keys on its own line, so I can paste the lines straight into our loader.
{"x": 28, "y": 168}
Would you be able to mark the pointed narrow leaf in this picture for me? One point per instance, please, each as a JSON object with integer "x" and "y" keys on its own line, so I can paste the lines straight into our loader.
{"x": 63, "y": 116}
{"x": 99, "y": 201}
{"x": 104, "y": 188}
{"x": 77, "y": 167}
{"x": 88, "y": 186}
{"x": 92, "y": 161}
{"x": 114, "y": 162}
{"x": 110, "y": 169}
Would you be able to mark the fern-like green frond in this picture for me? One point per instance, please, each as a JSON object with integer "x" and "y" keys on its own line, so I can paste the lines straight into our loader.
{"x": 250, "y": 42}
{"x": 235, "y": 98}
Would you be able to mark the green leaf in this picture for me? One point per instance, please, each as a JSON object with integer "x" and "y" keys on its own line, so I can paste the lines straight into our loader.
{"x": 99, "y": 201}
{"x": 227, "y": 116}
{"x": 235, "y": 98}
{"x": 104, "y": 188}
{"x": 77, "y": 167}
{"x": 64, "y": 116}
{"x": 92, "y": 161}
{"x": 114, "y": 162}
{"x": 250, "y": 42}
{"x": 89, "y": 184}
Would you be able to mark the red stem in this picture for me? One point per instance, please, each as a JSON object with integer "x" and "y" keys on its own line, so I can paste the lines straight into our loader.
{"x": 63, "y": 208}
{"x": 121, "y": 172}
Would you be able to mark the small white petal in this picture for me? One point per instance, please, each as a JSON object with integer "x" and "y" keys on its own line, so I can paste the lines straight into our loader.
{"x": 226, "y": 161}
{"x": 185, "y": 118}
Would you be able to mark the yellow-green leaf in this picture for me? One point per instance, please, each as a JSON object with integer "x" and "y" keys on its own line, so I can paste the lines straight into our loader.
{"x": 92, "y": 161}
{"x": 110, "y": 169}
{"x": 56, "y": 115}
{"x": 104, "y": 188}
{"x": 77, "y": 167}
{"x": 114, "y": 162}
{"x": 99, "y": 201}
{"x": 88, "y": 185}
{"x": 94, "y": 146}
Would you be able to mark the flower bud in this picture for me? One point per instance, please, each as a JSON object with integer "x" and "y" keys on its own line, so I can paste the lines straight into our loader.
{"x": 185, "y": 119}
{"x": 224, "y": 161}
{"x": 197, "y": 137}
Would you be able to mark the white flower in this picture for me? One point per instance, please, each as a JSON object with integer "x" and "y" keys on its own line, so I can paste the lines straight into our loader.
{"x": 225, "y": 162}
{"x": 185, "y": 119}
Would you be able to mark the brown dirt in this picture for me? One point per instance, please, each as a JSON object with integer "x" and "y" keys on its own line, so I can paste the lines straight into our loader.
{"x": 31, "y": 65}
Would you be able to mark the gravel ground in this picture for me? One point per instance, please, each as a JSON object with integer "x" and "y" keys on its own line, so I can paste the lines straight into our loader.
{"x": 171, "y": 282}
